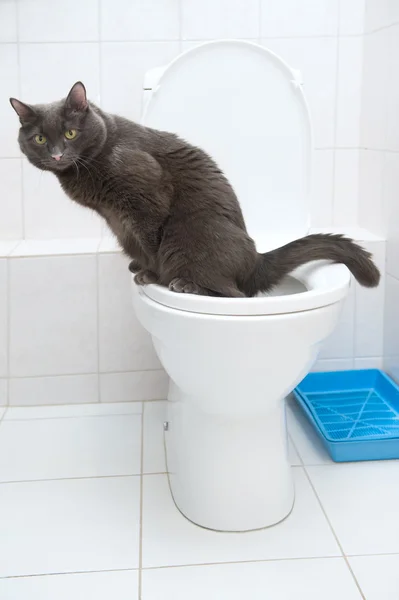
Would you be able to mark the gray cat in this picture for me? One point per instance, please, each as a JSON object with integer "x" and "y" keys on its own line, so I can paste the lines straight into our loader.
{"x": 170, "y": 206}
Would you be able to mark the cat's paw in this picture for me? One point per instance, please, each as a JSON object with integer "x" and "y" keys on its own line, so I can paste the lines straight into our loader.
{"x": 184, "y": 286}
{"x": 144, "y": 277}
{"x": 134, "y": 266}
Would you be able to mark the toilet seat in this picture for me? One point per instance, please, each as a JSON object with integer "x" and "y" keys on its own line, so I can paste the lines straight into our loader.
{"x": 325, "y": 284}
{"x": 245, "y": 107}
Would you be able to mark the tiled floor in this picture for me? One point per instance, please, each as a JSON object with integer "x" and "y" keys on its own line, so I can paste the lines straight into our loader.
{"x": 85, "y": 512}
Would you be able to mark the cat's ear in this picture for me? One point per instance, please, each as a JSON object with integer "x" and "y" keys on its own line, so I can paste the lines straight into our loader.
{"x": 24, "y": 111}
{"x": 77, "y": 99}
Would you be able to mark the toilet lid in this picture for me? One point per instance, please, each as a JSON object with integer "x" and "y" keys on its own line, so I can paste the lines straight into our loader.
{"x": 243, "y": 105}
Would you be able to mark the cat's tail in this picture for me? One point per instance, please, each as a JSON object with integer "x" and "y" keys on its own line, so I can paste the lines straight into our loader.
{"x": 273, "y": 266}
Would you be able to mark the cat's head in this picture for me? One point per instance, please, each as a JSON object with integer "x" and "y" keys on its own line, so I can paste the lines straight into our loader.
{"x": 56, "y": 136}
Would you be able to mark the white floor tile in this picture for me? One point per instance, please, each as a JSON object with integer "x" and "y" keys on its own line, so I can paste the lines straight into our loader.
{"x": 72, "y": 410}
{"x": 2, "y": 411}
{"x": 361, "y": 501}
{"x": 328, "y": 579}
{"x": 293, "y": 455}
{"x": 377, "y": 576}
{"x": 63, "y": 448}
{"x": 69, "y": 526}
{"x": 120, "y": 585}
{"x": 306, "y": 441}
{"x": 153, "y": 442}
{"x": 170, "y": 539}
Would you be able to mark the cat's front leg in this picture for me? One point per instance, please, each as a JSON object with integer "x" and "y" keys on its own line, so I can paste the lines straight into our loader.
{"x": 145, "y": 277}
{"x": 135, "y": 266}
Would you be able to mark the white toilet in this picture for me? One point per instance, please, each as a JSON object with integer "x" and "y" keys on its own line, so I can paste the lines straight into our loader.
{"x": 231, "y": 362}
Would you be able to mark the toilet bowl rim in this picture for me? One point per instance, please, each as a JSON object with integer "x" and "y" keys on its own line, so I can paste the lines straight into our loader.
{"x": 325, "y": 284}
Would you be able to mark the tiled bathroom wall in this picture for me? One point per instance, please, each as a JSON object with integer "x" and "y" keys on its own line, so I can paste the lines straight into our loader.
{"x": 46, "y": 46}
{"x": 379, "y": 162}
{"x": 67, "y": 328}
{"x": 68, "y": 332}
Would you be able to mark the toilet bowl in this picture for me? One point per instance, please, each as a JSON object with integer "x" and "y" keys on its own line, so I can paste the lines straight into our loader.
{"x": 232, "y": 361}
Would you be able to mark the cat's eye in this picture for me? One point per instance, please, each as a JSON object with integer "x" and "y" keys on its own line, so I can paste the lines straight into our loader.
{"x": 40, "y": 139}
{"x": 70, "y": 134}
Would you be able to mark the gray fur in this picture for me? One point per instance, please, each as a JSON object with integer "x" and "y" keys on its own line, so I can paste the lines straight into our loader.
{"x": 170, "y": 206}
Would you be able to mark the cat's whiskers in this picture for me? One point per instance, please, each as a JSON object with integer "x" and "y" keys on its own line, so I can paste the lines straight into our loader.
{"x": 80, "y": 162}
{"x": 77, "y": 168}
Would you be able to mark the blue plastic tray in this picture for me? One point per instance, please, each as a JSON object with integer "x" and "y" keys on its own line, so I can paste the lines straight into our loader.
{"x": 355, "y": 413}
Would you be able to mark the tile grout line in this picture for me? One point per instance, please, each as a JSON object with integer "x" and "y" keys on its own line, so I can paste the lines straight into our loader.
{"x": 141, "y": 506}
{"x": 17, "y": 7}
{"x": 334, "y": 165}
{"x": 190, "y": 565}
{"x": 8, "y": 333}
{"x": 98, "y": 326}
{"x": 334, "y": 533}
{"x": 180, "y": 18}
{"x": 181, "y": 566}
{"x": 89, "y": 373}
{"x": 194, "y": 39}
{"x": 82, "y": 478}
{"x": 327, "y": 519}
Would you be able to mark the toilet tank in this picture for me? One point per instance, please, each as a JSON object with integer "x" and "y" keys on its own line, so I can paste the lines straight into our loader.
{"x": 244, "y": 106}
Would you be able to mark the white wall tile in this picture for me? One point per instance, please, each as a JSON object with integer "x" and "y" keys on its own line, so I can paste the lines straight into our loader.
{"x": 11, "y": 225}
{"x": 290, "y": 18}
{"x": 7, "y": 246}
{"x": 212, "y": 19}
{"x": 66, "y": 411}
{"x": 62, "y": 389}
{"x": 333, "y": 364}
{"x": 8, "y": 21}
{"x": 135, "y": 386}
{"x": 10, "y": 87}
{"x": 350, "y": 67}
{"x": 391, "y": 211}
{"x": 374, "y": 91}
{"x": 3, "y": 393}
{"x": 380, "y": 13}
{"x": 124, "y": 344}
{"x": 57, "y": 247}
{"x": 48, "y": 211}
{"x": 369, "y": 362}
{"x": 63, "y": 64}
{"x": 322, "y": 188}
{"x": 122, "y": 87}
{"x": 341, "y": 343}
{"x": 53, "y": 317}
{"x": 125, "y": 20}
{"x": 391, "y": 92}
{"x": 391, "y": 327}
{"x": 352, "y": 16}
{"x": 3, "y": 318}
{"x": 346, "y": 187}
{"x": 369, "y": 309}
{"x": 316, "y": 58}
{"x": 372, "y": 206}
{"x": 48, "y": 21}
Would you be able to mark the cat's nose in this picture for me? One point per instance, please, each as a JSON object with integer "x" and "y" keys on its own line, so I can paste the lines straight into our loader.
{"x": 56, "y": 156}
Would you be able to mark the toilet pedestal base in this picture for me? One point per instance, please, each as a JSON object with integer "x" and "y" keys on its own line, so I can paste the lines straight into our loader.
{"x": 228, "y": 473}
